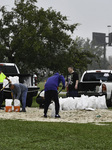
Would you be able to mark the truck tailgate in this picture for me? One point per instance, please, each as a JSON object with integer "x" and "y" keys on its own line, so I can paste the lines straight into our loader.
{"x": 89, "y": 88}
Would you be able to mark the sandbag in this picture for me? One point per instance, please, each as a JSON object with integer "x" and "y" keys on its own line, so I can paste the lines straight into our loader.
{"x": 13, "y": 80}
{"x": 92, "y": 102}
{"x": 69, "y": 104}
{"x": 83, "y": 102}
{"x": 101, "y": 102}
{"x": 53, "y": 110}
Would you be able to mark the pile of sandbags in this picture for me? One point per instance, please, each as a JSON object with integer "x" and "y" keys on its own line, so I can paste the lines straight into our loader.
{"x": 13, "y": 80}
{"x": 83, "y": 102}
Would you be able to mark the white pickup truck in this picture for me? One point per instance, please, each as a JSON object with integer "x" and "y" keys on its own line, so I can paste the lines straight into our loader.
{"x": 97, "y": 83}
{"x": 11, "y": 70}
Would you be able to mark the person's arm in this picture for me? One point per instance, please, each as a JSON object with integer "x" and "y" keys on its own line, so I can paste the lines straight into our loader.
{"x": 66, "y": 84}
{"x": 13, "y": 95}
{"x": 8, "y": 80}
{"x": 77, "y": 80}
{"x": 5, "y": 77}
{"x": 76, "y": 84}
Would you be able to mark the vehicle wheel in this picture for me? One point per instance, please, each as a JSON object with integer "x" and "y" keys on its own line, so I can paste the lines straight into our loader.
{"x": 109, "y": 102}
{"x": 29, "y": 102}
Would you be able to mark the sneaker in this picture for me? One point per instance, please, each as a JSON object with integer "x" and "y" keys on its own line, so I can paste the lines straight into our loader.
{"x": 23, "y": 110}
{"x": 45, "y": 116}
{"x": 57, "y": 116}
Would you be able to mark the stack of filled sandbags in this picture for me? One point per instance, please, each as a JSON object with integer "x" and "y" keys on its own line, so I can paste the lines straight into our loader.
{"x": 83, "y": 102}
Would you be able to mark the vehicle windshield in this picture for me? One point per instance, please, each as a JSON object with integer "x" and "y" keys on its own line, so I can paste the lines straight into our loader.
{"x": 97, "y": 76}
{"x": 8, "y": 69}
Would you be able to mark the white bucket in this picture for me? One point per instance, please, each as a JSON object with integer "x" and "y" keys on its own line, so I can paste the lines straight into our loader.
{"x": 8, "y": 105}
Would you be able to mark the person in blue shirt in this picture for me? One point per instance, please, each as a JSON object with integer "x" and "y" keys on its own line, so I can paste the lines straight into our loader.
{"x": 51, "y": 93}
{"x": 19, "y": 91}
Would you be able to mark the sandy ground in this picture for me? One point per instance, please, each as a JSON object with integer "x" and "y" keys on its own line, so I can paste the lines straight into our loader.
{"x": 73, "y": 116}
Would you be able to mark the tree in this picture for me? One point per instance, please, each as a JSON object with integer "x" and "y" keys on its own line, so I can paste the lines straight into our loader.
{"x": 96, "y": 62}
{"x": 33, "y": 38}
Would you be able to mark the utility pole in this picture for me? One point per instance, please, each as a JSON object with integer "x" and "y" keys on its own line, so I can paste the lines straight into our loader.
{"x": 105, "y": 51}
{"x": 109, "y": 26}
{"x": 99, "y": 39}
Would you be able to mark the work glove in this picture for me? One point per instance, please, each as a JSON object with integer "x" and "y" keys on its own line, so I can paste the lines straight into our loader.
{"x": 63, "y": 87}
{"x": 10, "y": 82}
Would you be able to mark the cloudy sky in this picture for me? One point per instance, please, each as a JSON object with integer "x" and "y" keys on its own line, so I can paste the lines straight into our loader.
{"x": 93, "y": 15}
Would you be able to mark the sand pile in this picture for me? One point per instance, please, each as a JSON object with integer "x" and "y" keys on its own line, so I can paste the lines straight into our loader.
{"x": 73, "y": 116}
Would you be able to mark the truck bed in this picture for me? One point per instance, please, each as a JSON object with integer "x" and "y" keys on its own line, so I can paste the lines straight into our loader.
{"x": 27, "y": 80}
{"x": 23, "y": 78}
{"x": 89, "y": 88}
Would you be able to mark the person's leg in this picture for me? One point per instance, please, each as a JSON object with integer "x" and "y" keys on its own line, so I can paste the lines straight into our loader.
{"x": 1, "y": 98}
{"x": 70, "y": 94}
{"x": 73, "y": 94}
{"x": 47, "y": 102}
{"x": 24, "y": 96}
{"x": 1, "y": 95}
{"x": 56, "y": 100}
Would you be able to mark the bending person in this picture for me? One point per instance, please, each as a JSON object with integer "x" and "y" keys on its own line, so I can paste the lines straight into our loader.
{"x": 19, "y": 91}
{"x": 51, "y": 93}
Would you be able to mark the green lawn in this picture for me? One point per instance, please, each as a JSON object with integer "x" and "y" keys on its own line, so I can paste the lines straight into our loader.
{"x": 34, "y": 103}
{"x": 25, "y": 135}
{"x": 41, "y": 85}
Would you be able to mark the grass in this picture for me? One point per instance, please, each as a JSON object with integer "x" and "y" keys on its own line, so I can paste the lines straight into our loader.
{"x": 25, "y": 135}
{"x": 41, "y": 85}
{"x": 34, "y": 103}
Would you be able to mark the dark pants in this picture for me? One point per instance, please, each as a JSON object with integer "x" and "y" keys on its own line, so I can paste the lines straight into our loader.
{"x": 72, "y": 94}
{"x": 1, "y": 95}
{"x": 51, "y": 95}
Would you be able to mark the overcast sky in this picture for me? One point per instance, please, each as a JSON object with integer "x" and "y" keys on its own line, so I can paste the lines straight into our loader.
{"x": 93, "y": 15}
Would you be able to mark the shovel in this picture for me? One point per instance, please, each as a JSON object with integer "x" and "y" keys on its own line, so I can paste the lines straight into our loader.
{"x": 4, "y": 87}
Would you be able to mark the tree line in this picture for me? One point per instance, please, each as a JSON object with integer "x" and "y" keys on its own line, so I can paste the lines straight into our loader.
{"x": 37, "y": 38}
